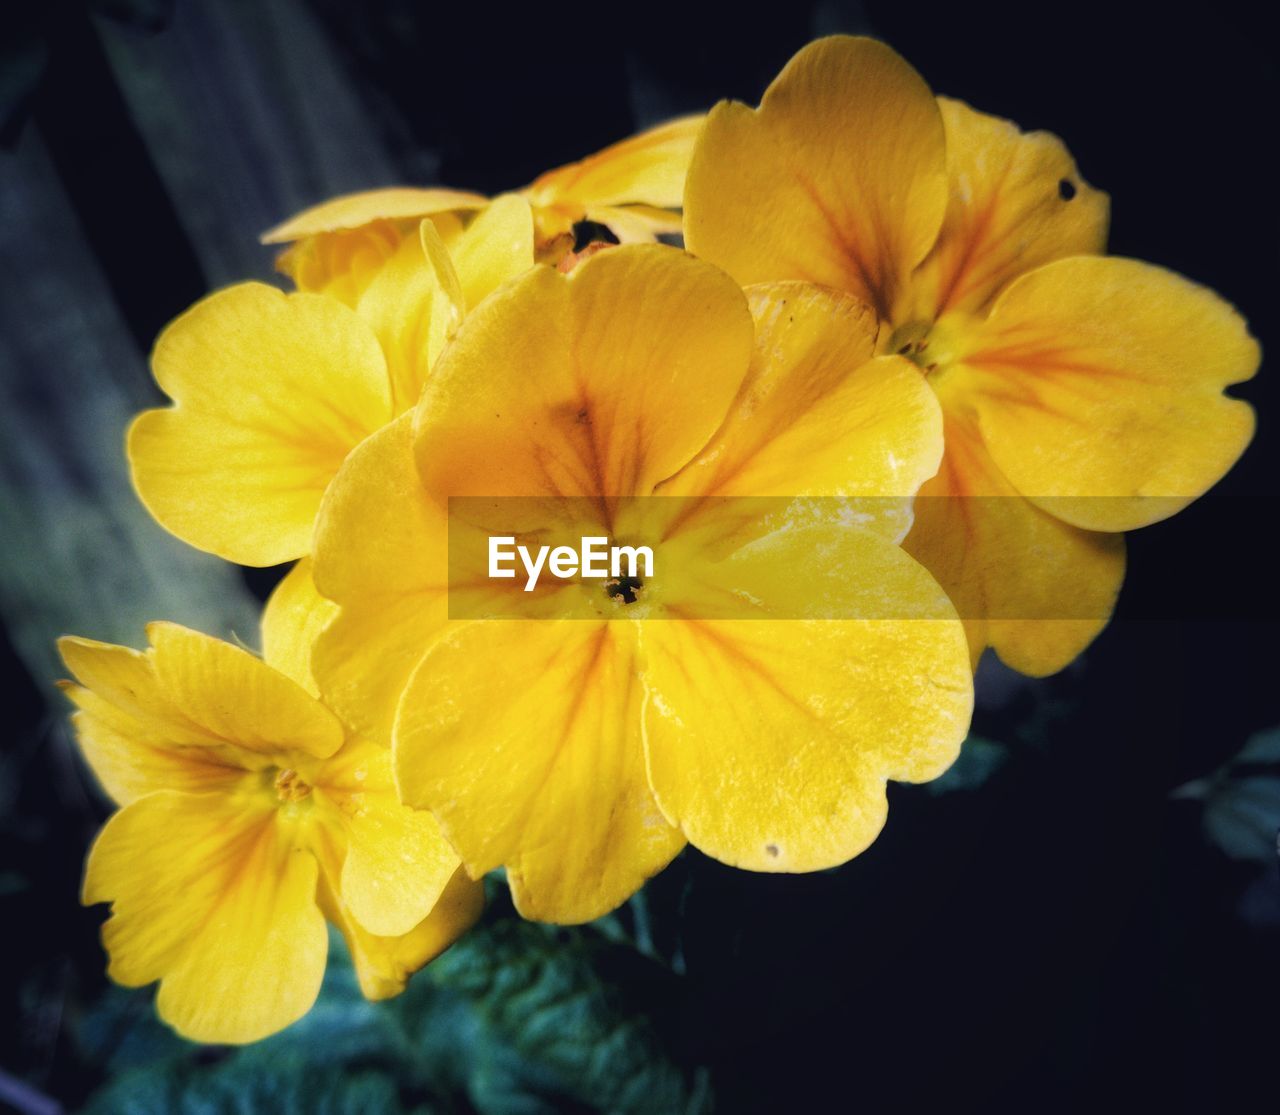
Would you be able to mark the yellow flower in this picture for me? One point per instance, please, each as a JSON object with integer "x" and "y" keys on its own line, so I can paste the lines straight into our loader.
{"x": 734, "y": 699}
{"x": 273, "y": 390}
{"x": 246, "y": 818}
{"x": 338, "y": 246}
{"x": 1082, "y": 393}
{"x": 631, "y": 187}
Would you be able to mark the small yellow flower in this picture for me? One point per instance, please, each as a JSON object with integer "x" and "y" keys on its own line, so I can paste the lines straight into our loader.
{"x": 1082, "y": 393}
{"x": 632, "y": 187}
{"x": 342, "y": 258}
{"x": 246, "y": 818}
{"x": 582, "y": 753}
{"x": 273, "y": 390}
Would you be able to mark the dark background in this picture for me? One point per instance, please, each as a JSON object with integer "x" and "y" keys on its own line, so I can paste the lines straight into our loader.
{"x": 1067, "y": 932}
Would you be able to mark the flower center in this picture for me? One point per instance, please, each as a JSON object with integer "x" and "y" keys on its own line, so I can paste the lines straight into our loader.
{"x": 624, "y": 590}
{"x": 290, "y": 787}
{"x": 912, "y": 341}
{"x": 933, "y": 346}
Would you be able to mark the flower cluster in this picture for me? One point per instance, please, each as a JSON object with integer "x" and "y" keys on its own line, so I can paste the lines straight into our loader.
{"x": 892, "y": 399}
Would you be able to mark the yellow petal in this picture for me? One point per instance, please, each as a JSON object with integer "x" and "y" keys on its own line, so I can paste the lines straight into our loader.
{"x": 364, "y": 657}
{"x": 1017, "y": 201}
{"x": 397, "y": 863}
{"x": 271, "y": 391}
{"x": 496, "y": 247}
{"x": 838, "y": 178}
{"x": 354, "y": 210}
{"x": 293, "y": 618}
{"x": 1029, "y": 585}
{"x": 441, "y": 261}
{"x": 524, "y": 738}
{"x": 600, "y": 383}
{"x": 126, "y": 679}
{"x": 1098, "y": 383}
{"x": 412, "y": 316}
{"x": 553, "y": 229}
{"x": 648, "y": 168}
{"x": 817, "y": 416}
{"x": 341, "y": 264}
{"x": 375, "y": 514}
{"x": 384, "y": 964}
{"x": 635, "y": 224}
{"x": 397, "y": 866}
{"x": 381, "y": 554}
{"x": 238, "y": 697}
{"x": 219, "y": 905}
{"x": 785, "y": 769}
{"x": 133, "y": 735}
{"x": 132, "y": 757}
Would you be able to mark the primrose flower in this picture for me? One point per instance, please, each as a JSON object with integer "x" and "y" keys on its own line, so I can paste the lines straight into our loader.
{"x": 632, "y": 187}
{"x": 273, "y": 390}
{"x": 1082, "y": 394}
{"x": 247, "y": 817}
{"x": 756, "y": 692}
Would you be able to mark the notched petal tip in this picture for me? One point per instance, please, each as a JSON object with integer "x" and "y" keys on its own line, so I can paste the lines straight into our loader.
{"x": 859, "y": 679}
{"x": 1100, "y": 387}
{"x": 1017, "y": 200}
{"x": 771, "y": 194}
{"x": 229, "y": 468}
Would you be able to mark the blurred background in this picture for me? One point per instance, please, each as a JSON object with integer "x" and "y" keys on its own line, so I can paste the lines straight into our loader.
{"x": 1088, "y": 905}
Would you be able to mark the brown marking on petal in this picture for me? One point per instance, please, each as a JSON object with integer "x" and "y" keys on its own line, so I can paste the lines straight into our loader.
{"x": 554, "y": 249}
{"x": 572, "y": 259}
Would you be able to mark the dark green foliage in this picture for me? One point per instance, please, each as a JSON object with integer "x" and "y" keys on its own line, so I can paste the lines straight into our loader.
{"x": 517, "y": 1019}
{"x": 1242, "y": 801}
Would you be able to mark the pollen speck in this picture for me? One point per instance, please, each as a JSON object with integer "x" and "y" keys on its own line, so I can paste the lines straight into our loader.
{"x": 290, "y": 787}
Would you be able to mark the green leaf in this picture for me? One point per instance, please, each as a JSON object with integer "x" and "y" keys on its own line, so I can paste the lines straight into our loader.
{"x": 1243, "y": 816}
{"x": 516, "y": 1019}
{"x": 239, "y": 1087}
{"x": 978, "y": 763}
{"x": 1262, "y": 749}
{"x": 568, "y": 1019}
{"x": 1242, "y": 800}
{"x": 123, "y": 1032}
